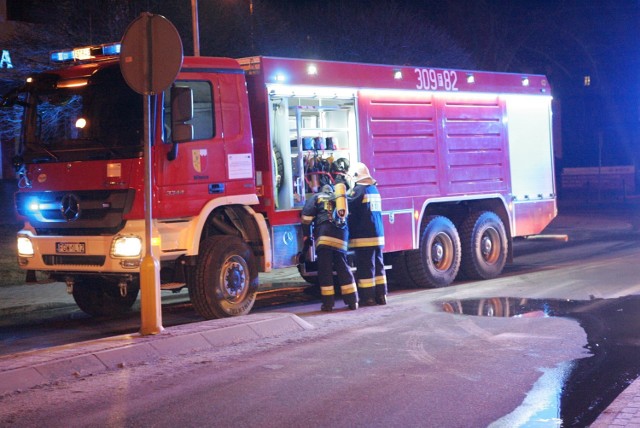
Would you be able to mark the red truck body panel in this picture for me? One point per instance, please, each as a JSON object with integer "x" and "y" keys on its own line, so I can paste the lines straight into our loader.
{"x": 427, "y": 135}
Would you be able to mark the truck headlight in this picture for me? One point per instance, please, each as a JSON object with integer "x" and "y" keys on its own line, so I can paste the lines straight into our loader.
{"x": 25, "y": 247}
{"x": 126, "y": 246}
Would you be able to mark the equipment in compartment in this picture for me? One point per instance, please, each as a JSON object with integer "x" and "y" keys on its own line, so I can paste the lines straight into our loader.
{"x": 320, "y": 169}
{"x": 311, "y": 131}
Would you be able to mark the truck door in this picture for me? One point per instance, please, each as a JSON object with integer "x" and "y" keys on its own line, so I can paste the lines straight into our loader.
{"x": 187, "y": 182}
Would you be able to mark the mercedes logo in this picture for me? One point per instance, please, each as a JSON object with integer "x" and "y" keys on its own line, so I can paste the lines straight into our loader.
{"x": 70, "y": 207}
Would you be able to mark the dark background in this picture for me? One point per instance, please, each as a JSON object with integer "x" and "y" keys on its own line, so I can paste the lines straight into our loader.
{"x": 572, "y": 42}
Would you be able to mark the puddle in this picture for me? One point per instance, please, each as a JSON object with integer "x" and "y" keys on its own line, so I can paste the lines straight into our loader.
{"x": 584, "y": 387}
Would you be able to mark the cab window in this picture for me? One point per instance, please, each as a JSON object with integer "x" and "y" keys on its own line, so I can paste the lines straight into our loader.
{"x": 203, "y": 117}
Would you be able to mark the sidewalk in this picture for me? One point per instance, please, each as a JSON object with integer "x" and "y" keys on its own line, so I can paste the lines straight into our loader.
{"x": 624, "y": 411}
{"x": 32, "y": 368}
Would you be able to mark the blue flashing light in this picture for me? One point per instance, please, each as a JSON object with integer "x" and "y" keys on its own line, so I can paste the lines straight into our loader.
{"x": 86, "y": 53}
{"x": 62, "y": 56}
{"x": 33, "y": 205}
{"x": 113, "y": 49}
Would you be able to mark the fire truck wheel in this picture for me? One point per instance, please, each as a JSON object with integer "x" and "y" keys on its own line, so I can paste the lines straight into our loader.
{"x": 399, "y": 277}
{"x": 309, "y": 279}
{"x": 101, "y": 298}
{"x": 225, "y": 279}
{"x": 436, "y": 262}
{"x": 484, "y": 245}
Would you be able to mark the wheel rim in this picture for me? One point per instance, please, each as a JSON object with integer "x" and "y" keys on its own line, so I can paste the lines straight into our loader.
{"x": 490, "y": 246}
{"x": 442, "y": 251}
{"x": 490, "y": 308}
{"x": 234, "y": 279}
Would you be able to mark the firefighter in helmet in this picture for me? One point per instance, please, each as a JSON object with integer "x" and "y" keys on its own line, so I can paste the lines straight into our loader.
{"x": 331, "y": 237}
{"x": 367, "y": 236}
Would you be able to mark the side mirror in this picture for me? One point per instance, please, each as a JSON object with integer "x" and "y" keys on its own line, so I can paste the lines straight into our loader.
{"x": 181, "y": 113}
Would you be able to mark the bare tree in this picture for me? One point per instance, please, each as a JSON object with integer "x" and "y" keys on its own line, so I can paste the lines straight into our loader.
{"x": 374, "y": 32}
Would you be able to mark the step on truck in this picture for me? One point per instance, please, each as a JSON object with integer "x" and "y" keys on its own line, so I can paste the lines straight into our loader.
{"x": 463, "y": 161}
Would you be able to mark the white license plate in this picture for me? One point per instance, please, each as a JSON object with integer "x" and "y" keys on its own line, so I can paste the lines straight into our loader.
{"x": 70, "y": 247}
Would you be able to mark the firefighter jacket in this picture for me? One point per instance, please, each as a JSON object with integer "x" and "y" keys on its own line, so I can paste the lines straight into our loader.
{"x": 318, "y": 211}
{"x": 365, "y": 217}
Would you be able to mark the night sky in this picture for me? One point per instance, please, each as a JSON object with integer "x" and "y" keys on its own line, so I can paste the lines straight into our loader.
{"x": 565, "y": 40}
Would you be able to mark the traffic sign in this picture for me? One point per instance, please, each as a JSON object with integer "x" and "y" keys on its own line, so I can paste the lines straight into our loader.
{"x": 151, "y": 54}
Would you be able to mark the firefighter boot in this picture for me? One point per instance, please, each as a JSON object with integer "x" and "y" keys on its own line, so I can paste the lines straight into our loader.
{"x": 327, "y": 297}
{"x": 381, "y": 294}
{"x": 366, "y": 292}
{"x": 350, "y": 296}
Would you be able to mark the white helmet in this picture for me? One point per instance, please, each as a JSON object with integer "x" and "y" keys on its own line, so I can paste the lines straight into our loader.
{"x": 360, "y": 172}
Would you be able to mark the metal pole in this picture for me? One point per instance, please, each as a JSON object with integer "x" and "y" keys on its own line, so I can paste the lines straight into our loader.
{"x": 150, "y": 302}
{"x": 196, "y": 30}
{"x": 252, "y": 24}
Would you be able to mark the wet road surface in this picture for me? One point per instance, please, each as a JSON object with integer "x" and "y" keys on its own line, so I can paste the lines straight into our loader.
{"x": 588, "y": 384}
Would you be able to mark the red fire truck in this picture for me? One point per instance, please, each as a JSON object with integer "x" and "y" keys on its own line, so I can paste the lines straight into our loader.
{"x": 463, "y": 160}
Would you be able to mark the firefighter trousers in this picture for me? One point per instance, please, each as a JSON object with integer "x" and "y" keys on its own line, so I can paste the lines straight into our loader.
{"x": 328, "y": 260}
{"x": 372, "y": 280}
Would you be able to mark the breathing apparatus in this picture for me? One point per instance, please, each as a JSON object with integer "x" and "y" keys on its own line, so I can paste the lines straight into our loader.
{"x": 341, "y": 210}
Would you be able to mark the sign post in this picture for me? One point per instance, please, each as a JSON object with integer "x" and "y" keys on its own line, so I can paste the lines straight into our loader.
{"x": 150, "y": 59}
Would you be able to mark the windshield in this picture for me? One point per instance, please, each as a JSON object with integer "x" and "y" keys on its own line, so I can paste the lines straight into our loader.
{"x": 98, "y": 117}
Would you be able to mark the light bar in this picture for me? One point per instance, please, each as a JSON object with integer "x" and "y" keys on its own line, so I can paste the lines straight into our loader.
{"x": 112, "y": 49}
{"x": 86, "y": 53}
{"x": 62, "y": 56}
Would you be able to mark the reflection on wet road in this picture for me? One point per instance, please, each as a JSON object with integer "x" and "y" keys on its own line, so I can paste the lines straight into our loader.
{"x": 588, "y": 385}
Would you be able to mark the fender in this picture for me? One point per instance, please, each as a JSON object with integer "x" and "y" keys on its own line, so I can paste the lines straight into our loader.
{"x": 186, "y": 238}
{"x": 470, "y": 199}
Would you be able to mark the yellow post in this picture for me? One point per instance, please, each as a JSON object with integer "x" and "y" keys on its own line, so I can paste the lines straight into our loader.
{"x": 150, "y": 306}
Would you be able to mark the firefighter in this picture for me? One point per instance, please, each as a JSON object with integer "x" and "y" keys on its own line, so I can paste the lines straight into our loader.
{"x": 331, "y": 237}
{"x": 367, "y": 237}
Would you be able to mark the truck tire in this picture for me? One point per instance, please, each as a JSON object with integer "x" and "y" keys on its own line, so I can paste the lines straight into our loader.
{"x": 101, "y": 298}
{"x": 303, "y": 266}
{"x": 437, "y": 261}
{"x": 484, "y": 246}
{"x": 225, "y": 278}
{"x": 398, "y": 276}
{"x": 309, "y": 279}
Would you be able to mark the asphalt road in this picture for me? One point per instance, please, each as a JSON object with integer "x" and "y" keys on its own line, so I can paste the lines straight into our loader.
{"x": 409, "y": 363}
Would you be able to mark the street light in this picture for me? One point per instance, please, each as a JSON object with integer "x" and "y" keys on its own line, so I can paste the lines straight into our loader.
{"x": 196, "y": 30}
{"x": 253, "y": 51}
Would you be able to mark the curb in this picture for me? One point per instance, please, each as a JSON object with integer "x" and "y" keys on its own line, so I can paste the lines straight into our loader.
{"x": 30, "y": 369}
{"x": 623, "y": 411}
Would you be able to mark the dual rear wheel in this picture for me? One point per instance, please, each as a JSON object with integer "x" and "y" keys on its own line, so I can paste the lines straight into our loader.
{"x": 478, "y": 251}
